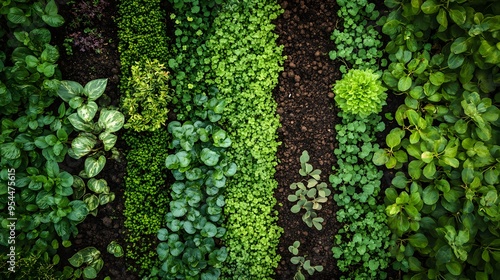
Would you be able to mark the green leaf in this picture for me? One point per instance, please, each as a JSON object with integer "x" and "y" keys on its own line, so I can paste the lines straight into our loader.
{"x": 98, "y": 185}
{"x": 458, "y": 14}
{"x": 10, "y": 151}
{"x": 430, "y": 170}
{"x": 69, "y": 89}
{"x": 79, "y": 124}
{"x": 53, "y": 20}
{"x": 391, "y": 27}
{"x": 92, "y": 201}
{"x": 430, "y": 196}
{"x": 89, "y": 272}
{"x": 79, "y": 211}
{"x": 404, "y": 83}
{"x": 455, "y": 268}
{"x": 460, "y": 45}
{"x": 94, "y": 166}
{"x": 418, "y": 240}
{"x": 16, "y": 16}
{"x": 437, "y": 78}
{"x": 82, "y": 145}
{"x": 87, "y": 111}
{"x": 209, "y": 157}
{"x": 111, "y": 120}
{"x": 393, "y": 139}
{"x": 108, "y": 139}
{"x": 95, "y": 88}
{"x": 430, "y": 7}
{"x": 442, "y": 19}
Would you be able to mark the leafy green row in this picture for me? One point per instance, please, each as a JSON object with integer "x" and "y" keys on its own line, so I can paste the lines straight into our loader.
{"x": 143, "y": 49}
{"x": 145, "y": 194}
{"x": 38, "y": 131}
{"x": 190, "y": 62}
{"x": 358, "y": 42}
{"x": 444, "y": 209}
{"x": 246, "y": 61}
{"x": 194, "y": 222}
{"x": 362, "y": 245}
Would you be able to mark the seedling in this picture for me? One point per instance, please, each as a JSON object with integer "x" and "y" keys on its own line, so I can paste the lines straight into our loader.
{"x": 302, "y": 262}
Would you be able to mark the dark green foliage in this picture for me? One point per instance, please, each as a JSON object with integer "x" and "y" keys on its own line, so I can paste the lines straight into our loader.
{"x": 246, "y": 63}
{"x": 444, "y": 210}
{"x": 190, "y": 62}
{"x": 362, "y": 245}
{"x": 145, "y": 194}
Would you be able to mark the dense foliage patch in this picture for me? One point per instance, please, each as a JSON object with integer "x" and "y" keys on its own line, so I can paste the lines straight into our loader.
{"x": 246, "y": 64}
{"x": 443, "y": 210}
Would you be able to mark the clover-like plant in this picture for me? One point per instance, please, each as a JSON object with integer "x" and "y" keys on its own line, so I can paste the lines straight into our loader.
{"x": 360, "y": 92}
{"x": 311, "y": 195}
{"x": 302, "y": 262}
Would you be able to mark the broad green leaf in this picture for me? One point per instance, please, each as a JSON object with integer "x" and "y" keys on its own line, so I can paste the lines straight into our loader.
{"x": 10, "y": 151}
{"x": 108, "y": 139}
{"x": 82, "y": 145}
{"x": 98, "y": 185}
{"x": 209, "y": 157}
{"x": 404, "y": 83}
{"x": 79, "y": 211}
{"x": 105, "y": 198}
{"x": 92, "y": 201}
{"x": 87, "y": 111}
{"x": 442, "y": 19}
{"x": 458, "y": 14}
{"x": 430, "y": 7}
{"x": 94, "y": 166}
{"x": 437, "y": 78}
{"x": 95, "y": 88}
{"x": 430, "y": 196}
{"x": 418, "y": 240}
{"x": 79, "y": 124}
{"x": 89, "y": 272}
{"x": 391, "y": 27}
{"x": 455, "y": 61}
{"x": 455, "y": 268}
{"x": 16, "y": 16}
{"x": 393, "y": 139}
{"x": 111, "y": 120}
{"x": 69, "y": 89}
{"x": 430, "y": 170}
{"x": 460, "y": 45}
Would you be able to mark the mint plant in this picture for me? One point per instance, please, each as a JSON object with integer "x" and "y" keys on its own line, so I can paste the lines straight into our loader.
{"x": 302, "y": 262}
{"x": 311, "y": 195}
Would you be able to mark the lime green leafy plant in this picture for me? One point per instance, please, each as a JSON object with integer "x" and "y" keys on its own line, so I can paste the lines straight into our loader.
{"x": 360, "y": 92}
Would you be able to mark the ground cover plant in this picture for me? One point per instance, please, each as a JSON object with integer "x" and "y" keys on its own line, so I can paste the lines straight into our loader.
{"x": 442, "y": 211}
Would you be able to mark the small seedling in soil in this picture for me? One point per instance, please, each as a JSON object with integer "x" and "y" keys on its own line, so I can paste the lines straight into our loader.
{"x": 302, "y": 262}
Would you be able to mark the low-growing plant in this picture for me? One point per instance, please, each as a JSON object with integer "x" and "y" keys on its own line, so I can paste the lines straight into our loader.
{"x": 88, "y": 263}
{"x": 147, "y": 96}
{"x": 311, "y": 195}
{"x": 115, "y": 249}
{"x": 302, "y": 262}
{"x": 358, "y": 44}
{"x": 360, "y": 92}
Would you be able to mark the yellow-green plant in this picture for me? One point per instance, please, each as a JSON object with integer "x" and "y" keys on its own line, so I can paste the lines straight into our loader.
{"x": 360, "y": 92}
{"x": 146, "y": 96}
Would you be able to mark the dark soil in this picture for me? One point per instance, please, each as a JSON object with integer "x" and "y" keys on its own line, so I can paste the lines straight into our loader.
{"x": 307, "y": 116}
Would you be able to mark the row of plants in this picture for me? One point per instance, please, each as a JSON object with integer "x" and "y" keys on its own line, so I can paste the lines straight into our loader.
{"x": 145, "y": 89}
{"x": 46, "y": 120}
{"x": 245, "y": 62}
{"x": 443, "y": 203}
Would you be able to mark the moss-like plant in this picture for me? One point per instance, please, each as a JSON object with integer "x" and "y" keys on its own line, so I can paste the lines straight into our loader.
{"x": 146, "y": 96}
{"x": 360, "y": 92}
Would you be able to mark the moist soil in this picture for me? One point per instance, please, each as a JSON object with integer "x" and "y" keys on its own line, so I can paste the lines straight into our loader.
{"x": 307, "y": 115}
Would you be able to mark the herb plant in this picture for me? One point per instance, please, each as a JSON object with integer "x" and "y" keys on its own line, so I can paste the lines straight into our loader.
{"x": 309, "y": 196}
{"x": 360, "y": 92}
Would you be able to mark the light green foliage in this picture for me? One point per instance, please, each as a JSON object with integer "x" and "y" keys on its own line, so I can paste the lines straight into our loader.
{"x": 190, "y": 62}
{"x": 303, "y": 263}
{"x": 444, "y": 209}
{"x": 142, "y": 34}
{"x": 201, "y": 169}
{"x": 360, "y": 92}
{"x": 88, "y": 263}
{"x": 246, "y": 63}
{"x": 311, "y": 195}
{"x": 362, "y": 245}
{"x": 29, "y": 266}
{"x": 359, "y": 41}
{"x": 146, "y": 96}
{"x": 145, "y": 194}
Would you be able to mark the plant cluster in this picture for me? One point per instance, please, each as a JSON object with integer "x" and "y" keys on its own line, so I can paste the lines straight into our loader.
{"x": 146, "y": 96}
{"x": 200, "y": 167}
{"x": 358, "y": 43}
{"x": 245, "y": 62}
{"x": 310, "y": 196}
{"x": 303, "y": 263}
{"x": 443, "y": 210}
{"x": 39, "y": 130}
{"x": 145, "y": 193}
{"x": 190, "y": 62}
{"x": 360, "y": 92}
{"x": 88, "y": 263}
{"x": 361, "y": 245}
{"x": 88, "y": 40}
{"x": 142, "y": 34}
